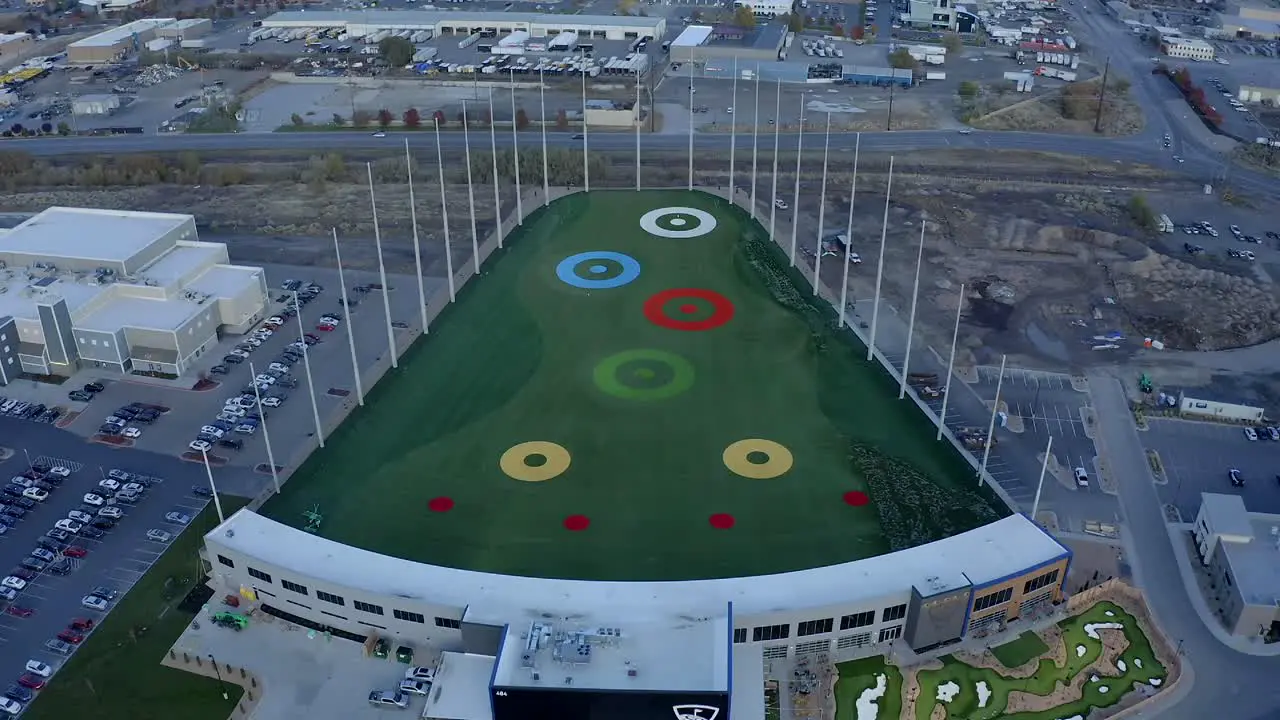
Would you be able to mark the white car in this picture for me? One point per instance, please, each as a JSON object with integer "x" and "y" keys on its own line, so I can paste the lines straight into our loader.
{"x": 61, "y": 472}
{"x": 265, "y": 379}
{"x": 177, "y": 518}
{"x": 15, "y": 582}
{"x": 329, "y": 320}
{"x": 120, "y": 475}
{"x": 211, "y": 430}
{"x": 275, "y": 320}
{"x": 298, "y": 345}
{"x": 781, "y": 204}
{"x": 278, "y": 367}
{"x": 251, "y": 342}
{"x": 1250, "y": 434}
{"x": 132, "y": 488}
{"x": 80, "y": 517}
{"x": 262, "y": 333}
{"x": 111, "y": 511}
{"x": 199, "y": 446}
{"x": 132, "y": 432}
{"x": 855, "y": 258}
{"x": 94, "y": 499}
{"x": 1235, "y": 230}
{"x": 35, "y": 667}
{"x": 425, "y": 674}
{"x": 227, "y": 417}
{"x": 239, "y": 353}
{"x": 271, "y": 402}
{"x": 246, "y": 428}
{"x": 69, "y": 525}
{"x": 36, "y": 494}
{"x": 8, "y": 593}
{"x": 235, "y": 412}
{"x": 1082, "y": 477}
{"x": 93, "y": 602}
{"x": 238, "y": 401}
{"x": 11, "y": 706}
{"x": 109, "y": 485}
{"x": 159, "y": 536}
{"x": 415, "y": 687}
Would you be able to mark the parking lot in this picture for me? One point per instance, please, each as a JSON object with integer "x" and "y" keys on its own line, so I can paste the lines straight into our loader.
{"x": 114, "y": 561}
{"x": 1196, "y": 457}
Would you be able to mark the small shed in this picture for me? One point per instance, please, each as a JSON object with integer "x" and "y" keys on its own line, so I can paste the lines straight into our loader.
{"x": 96, "y": 104}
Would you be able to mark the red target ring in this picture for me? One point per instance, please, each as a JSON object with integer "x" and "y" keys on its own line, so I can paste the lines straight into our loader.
{"x": 655, "y": 308}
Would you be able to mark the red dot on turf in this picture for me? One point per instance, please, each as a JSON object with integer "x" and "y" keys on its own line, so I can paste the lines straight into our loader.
{"x": 440, "y": 504}
{"x": 577, "y": 523}
{"x": 722, "y": 521}
{"x": 688, "y": 309}
{"x": 856, "y": 498}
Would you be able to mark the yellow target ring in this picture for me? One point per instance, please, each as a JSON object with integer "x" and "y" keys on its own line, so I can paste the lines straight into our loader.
{"x": 737, "y": 457}
{"x": 515, "y": 462}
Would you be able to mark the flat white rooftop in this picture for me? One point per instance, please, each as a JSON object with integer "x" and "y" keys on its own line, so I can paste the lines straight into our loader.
{"x": 225, "y": 281}
{"x": 748, "y": 683}
{"x": 461, "y": 688}
{"x": 984, "y": 555}
{"x": 429, "y": 18}
{"x": 18, "y": 298}
{"x": 89, "y": 234}
{"x": 680, "y": 654}
{"x": 182, "y": 262}
{"x": 120, "y": 311}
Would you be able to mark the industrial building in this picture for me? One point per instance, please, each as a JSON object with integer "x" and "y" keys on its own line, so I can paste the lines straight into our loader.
{"x": 1249, "y": 20}
{"x": 1186, "y": 48}
{"x": 116, "y": 43}
{"x": 931, "y": 14}
{"x": 1259, "y": 94}
{"x": 610, "y": 113}
{"x": 118, "y": 290}
{"x": 13, "y": 45}
{"x": 766, "y": 8}
{"x": 112, "y": 7}
{"x": 1240, "y": 551}
{"x": 438, "y": 22}
{"x": 186, "y": 29}
{"x": 702, "y": 43}
{"x": 574, "y": 650}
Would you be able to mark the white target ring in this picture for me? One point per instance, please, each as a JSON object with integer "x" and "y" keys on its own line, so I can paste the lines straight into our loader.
{"x": 677, "y": 227}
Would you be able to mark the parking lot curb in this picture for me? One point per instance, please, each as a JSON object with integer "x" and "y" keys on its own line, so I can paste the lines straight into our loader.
{"x": 1089, "y": 421}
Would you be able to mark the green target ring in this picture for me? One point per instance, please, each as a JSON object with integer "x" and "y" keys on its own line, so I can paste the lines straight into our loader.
{"x": 644, "y": 374}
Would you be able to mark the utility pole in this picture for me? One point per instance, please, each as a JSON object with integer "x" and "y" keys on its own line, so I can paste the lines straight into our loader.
{"x": 1102, "y": 94}
{"x": 888, "y": 123}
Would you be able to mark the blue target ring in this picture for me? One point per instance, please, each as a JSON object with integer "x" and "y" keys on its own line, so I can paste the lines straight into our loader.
{"x": 566, "y": 270}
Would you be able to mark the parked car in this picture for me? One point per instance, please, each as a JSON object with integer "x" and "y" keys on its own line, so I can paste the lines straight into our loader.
{"x": 177, "y": 518}
{"x": 80, "y": 396}
{"x": 58, "y": 646}
{"x": 93, "y": 602}
{"x": 388, "y": 698}
{"x": 159, "y": 536}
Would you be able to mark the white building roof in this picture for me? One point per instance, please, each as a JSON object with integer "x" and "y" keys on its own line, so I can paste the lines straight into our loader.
{"x": 1226, "y": 515}
{"x": 89, "y": 234}
{"x": 1187, "y": 42}
{"x": 184, "y": 262}
{"x": 748, "y": 682}
{"x": 461, "y": 688}
{"x": 138, "y": 312}
{"x": 110, "y": 37}
{"x": 18, "y": 298}
{"x": 226, "y": 281}
{"x": 408, "y": 19}
{"x": 13, "y": 37}
{"x": 980, "y": 556}
{"x": 692, "y": 36}
{"x": 678, "y": 654}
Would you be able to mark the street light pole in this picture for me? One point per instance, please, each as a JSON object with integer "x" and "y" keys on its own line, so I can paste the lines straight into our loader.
{"x": 306, "y": 363}
{"x": 822, "y": 209}
{"x": 884, "y": 232}
{"x": 991, "y": 428}
{"x": 444, "y": 220}
{"x": 266, "y": 436}
{"x": 911, "y": 323}
{"x": 351, "y": 338}
{"x": 946, "y": 391}
{"x": 217, "y": 504}
{"x": 382, "y": 270}
{"x": 795, "y": 200}
{"x": 773, "y": 201}
{"x": 216, "y": 671}
{"x": 1044, "y": 468}
{"x": 515, "y": 151}
{"x": 417, "y": 253}
{"x": 848, "y": 233}
{"x": 493, "y": 151}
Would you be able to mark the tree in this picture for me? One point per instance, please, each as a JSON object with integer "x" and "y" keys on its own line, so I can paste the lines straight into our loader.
{"x": 384, "y": 118}
{"x": 953, "y": 43}
{"x": 360, "y": 118}
{"x": 968, "y": 89}
{"x": 412, "y": 119}
{"x": 901, "y": 59}
{"x": 837, "y": 29}
{"x": 562, "y": 120}
{"x": 857, "y": 32}
{"x": 743, "y": 17}
{"x": 438, "y": 118}
{"x": 297, "y": 120}
{"x": 522, "y": 119}
{"x": 339, "y": 120}
{"x": 795, "y": 22}
{"x": 397, "y": 51}
{"x": 1141, "y": 213}
{"x": 64, "y": 129}
{"x": 46, "y": 128}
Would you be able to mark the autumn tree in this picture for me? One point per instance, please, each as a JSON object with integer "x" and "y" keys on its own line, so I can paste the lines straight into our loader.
{"x": 412, "y": 119}
{"x": 743, "y": 17}
{"x": 522, "y": 119}
{"x": 384, "y": 118}
{"x": 438, "y": 118}
{"x": 562, "y": 120}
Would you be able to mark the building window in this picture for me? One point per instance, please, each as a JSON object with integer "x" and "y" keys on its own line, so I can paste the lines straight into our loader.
{"x": 329, "y": 598}
{"x": 1035, "y": 584}
{"x": 863, "y": 619}
{"x": 366, "y": 607}
{"x": 998, "y": 597}
{"x": 226, "y": 561}
{"x": 777, "y": 652}
{"x": 326, "y": 612}
{"x": 890, "y": 633}
{"x": 853, "y": 641}
{"x": 1226, "y": 577}
{"x": 259, "y": 575}
{"x": 813, "y": 647}
{"x": 814, "y": 627}
{"x": 770, "y": 632}
{"x": 739, "y": 635}
{"x": 897, "y": 612}
{"x": 295, "y": 587}
{"x": 409, "y": 616}
{"x": 81, "y": 342}
{"x": 448, "y": 623}
{"x": 361, "y": 622}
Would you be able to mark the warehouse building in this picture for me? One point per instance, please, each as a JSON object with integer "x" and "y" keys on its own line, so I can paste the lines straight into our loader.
{"x": 1187, "y": 48}
{"x": 1248, "y": 20}
{"x": 537, "y": 25}
{"x": 13, "y": 45}
{"x": 101, "y": 104}
{"x": 115, "y": 44}
{"x": 702, "y": 43}
{"x": 1259, "y": 94}
{"x": 123, "y": 291}
{"x": 186, "y": 29}
{"x": 1240, "y": 551}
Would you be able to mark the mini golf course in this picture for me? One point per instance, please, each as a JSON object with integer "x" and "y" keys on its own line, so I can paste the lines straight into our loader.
{"x": 637, "y": 388}
{"x": 868, "y": 689}
{"x": 1021, "y": 650}
{"x": 975, "y": 693}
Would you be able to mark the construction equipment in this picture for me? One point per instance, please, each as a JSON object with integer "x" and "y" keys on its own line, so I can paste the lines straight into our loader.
{"x": 235, "y": 621}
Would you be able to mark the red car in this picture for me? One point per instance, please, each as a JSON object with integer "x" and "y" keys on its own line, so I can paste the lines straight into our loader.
{"x": 71, "y": 636}
{"x": 81, "y": 624}
{"x": 32, "y": 681}
{"x": 19, "y": 611}
{"x": 326, "y": 328}
{"x": 75, "y": 551}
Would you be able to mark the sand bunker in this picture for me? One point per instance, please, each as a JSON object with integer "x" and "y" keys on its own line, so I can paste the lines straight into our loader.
{"x": 1110, "y": 614}
{"x": 1081, "y": 650}
{"x": 1104, "y": 689}
{"x": 984, "y": 693}
{"x": 948, "y": 691}
{"x": 1155, "y": 682}
{"x": 1137, "y": 662}
{"x": 1121, "y": 666}
{"x": 1092, "y": 629}
{"x": 866, "y": 704}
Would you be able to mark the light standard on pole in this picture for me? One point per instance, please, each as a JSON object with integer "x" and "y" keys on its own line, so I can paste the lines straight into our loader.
{"x": 306, "y": 364}
{"x": 266, "y": 436}
{"x": 217, "y": 504}
{"x": 214, "y": 661}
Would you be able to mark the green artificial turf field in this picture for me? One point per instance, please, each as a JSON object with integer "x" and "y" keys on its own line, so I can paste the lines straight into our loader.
{"x": 634, "y": 401}
{"x": 1020, "y": 651}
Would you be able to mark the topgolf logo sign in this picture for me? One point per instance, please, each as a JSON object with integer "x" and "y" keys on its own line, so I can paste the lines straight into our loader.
{"x": 696, "y": 712}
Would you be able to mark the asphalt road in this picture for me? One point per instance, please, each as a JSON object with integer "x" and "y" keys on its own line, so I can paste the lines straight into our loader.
{"x": 117, "y": 560}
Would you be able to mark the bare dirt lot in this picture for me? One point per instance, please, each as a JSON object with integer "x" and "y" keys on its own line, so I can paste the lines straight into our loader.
{"x": 1046, "y": 246}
